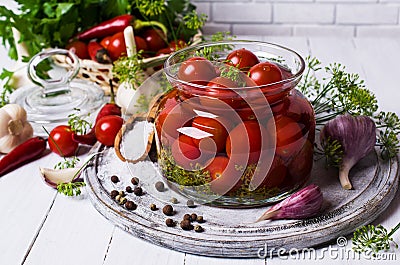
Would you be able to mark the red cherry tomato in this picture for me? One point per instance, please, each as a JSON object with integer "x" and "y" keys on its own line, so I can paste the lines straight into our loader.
{"x": 197, "y": 69}
{"x": 289, "y": 136}
{"x": 155, "y": 39}
{"x": 164, "y": 51}
{"x": 214, "y": 127}
{"x": 245, "y": 141}
{"x": 79, "y": 48}
{"x": 276, "y": 174}
{"x": 242, "y": 59}
{"x": 141, "y": 44}
{"x": 265, "y": 73}
{"x": 61, "y": 142}
{"x": 299, "y": 168}
{"x": 116, "y": 48}
{"x": 107, "y": 128}
{"x": 184, "y": 152}
{"x": 224, "y": 177}
{"x": 105, "y": 41}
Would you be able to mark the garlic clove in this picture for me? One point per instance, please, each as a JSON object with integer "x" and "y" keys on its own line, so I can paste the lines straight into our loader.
{"x": 305, "y": 203}
{"x": 53, "y": 177}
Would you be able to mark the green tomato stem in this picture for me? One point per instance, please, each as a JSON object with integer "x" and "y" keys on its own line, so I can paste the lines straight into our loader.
{"x": 393, "y": 230}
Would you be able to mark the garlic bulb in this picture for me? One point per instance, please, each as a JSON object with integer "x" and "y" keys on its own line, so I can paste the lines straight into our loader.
{"x": 14, "y": 127}
{"x": 356, "y": 136}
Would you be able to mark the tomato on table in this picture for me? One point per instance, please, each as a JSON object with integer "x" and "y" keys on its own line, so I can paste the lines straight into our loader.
{"x": 105, "y": 41}
{"x": 242, "y": 59}
{"x": 107, "y": 128}
{"x": 265, "y": 73}
{"x": 214, "y": 127}
{"x": 224, "y": 177}
{"x": 61, "y": 141}
{"x": 197, "y": 69}
{"x": 246, "y": 141}
{"x": 79, "y": 48}
{"x": 116, "y": 48}
{"x": 155, "y": 39}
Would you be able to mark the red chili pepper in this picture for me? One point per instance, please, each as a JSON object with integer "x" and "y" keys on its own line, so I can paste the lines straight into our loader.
{"x": 98, "y": 53}
{"x": 117, "y": 24}
{"x": 28, "y": 151}
{"x": 108, "y": 109}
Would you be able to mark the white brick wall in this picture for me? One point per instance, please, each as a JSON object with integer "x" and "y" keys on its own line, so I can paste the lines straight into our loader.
{"x": 302, "y": 17}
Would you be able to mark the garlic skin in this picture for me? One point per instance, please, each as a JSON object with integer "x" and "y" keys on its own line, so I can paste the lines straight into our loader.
{"x": 53, "y": 177}
{"x": 357, "y": 137}
{"x": 14, "y": 127}
{"x": 305, "y": 203}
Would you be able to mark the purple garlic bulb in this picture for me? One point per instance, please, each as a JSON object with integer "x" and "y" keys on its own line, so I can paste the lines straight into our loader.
{"x": 357, "y": 137}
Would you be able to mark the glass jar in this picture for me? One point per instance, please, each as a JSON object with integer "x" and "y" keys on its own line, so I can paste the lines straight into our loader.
{"x": 223, "y": 139}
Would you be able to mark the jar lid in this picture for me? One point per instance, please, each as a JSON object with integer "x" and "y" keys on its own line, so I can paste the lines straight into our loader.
{"x": 55, "y": 93}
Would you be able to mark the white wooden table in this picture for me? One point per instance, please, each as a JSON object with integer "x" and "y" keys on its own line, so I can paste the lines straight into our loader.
{"x": 39, "y": 226}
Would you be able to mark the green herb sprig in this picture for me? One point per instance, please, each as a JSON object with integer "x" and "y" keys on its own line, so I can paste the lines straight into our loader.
{"x": 78, "y": 124}
{"x": 130, "y": 69}
{"x": 373, "y": 239}
{"x": 70, "y": 188}
{"x": 342, "y": 93}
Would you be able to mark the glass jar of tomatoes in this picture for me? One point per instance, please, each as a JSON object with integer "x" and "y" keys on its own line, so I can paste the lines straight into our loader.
{"x": 234, "y": 131}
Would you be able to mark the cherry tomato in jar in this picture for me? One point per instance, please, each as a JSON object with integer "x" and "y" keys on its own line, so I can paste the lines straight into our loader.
{"x": 289, "y": 136}
{"x": 300, "y": 166}
{"x": 265, "y": 73}
{"x": 215, "y": 128}
{"x": 107, "y": 128}
{"x": 222, "y": 82}
{"x": 242, "y": 59}
{"x": 105, "y": 41}
{"x": 276, "y": 174}
{"x": 224, "y": 177}
{"x": 197, "y": 69}
{"x": 61, "y": 141}
{"x": 155, "y": 39}
{"x": 185, "y": 152}
{"x": 79, "y": 48}
{"x": 246, "y": 141}
{"x": 116, "y": 48}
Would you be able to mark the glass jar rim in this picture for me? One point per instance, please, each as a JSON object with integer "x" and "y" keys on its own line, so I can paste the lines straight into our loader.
{"x": 168, "y": 63}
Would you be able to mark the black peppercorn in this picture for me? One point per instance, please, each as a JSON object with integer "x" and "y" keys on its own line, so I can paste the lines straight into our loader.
{"x": 138, "y": 191}
{"x": 187, "y": 217}
{"x": 128, "y": 189}
{"x": 130, "y": 205}
{"x": 169, "y": 222}
{"x": 168, "y": 210}
{"x": 135, "y": 181}
{"x": 159, "y": 186}
{"x": 190, "y": 204}
{"x": 200, "y": 219}
{"x": 198, "y": 229}
{"x": 114, "y": 179}
{"x": 186, "y": 225}
{"x": 193, "y": 217}
{"x": 153, "y": 207}
{"x": 114, "y": 193}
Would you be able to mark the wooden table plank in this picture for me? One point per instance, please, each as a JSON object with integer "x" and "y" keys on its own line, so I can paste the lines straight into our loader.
{"x": 74, "y": 233}
{"x": 24, "y": 202}
{"x": 200, "y": 260}
{"x": 125, "y": 248}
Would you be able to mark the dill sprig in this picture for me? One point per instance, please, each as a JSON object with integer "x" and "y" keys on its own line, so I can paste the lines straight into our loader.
{"x": 71, "y": 188}
{"x": 78, "y": 124}
{"x": 130, "y": 69}
{"x": 151, "y": 8}
{"x": 373, "y": 239}
{"x": 67, "y": 163}
{"x": 194, "y": 21}
{"x": 212, "y": 52}
{"x": 332, "y": 151}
